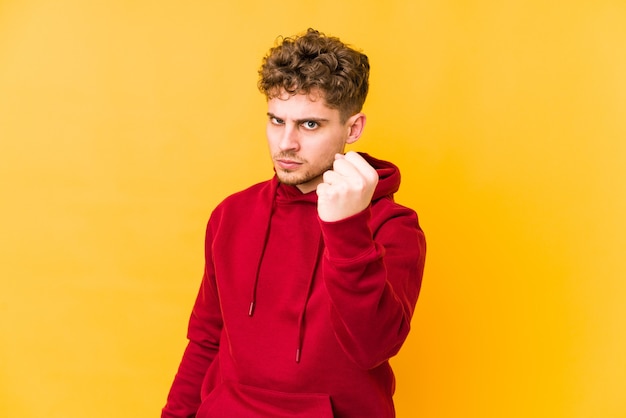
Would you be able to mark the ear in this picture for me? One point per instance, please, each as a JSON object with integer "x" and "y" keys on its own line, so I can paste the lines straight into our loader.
{"x": 355, "y": 125}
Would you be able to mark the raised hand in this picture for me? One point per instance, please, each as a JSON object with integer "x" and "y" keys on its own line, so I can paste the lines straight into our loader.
{"x": 347, "y": 189}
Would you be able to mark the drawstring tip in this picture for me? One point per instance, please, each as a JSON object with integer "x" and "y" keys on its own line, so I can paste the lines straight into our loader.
{"x": 297, "y": 355}
{"x": 251, "y": 310}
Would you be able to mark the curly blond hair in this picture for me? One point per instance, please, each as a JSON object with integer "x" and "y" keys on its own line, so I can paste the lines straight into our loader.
{"x": 314, "y": 61}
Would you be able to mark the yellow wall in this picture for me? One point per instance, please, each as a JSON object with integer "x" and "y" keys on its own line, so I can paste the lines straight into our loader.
{"x": 123, "y": 123}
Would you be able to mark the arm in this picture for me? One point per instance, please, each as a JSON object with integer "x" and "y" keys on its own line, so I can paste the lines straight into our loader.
{"x": 373, "y": 279}
{"x": 373, "y": 262}
{"x": 203, "y": 333}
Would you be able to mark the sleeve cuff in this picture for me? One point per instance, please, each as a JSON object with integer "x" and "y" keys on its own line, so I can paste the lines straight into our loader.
{"x": 350, "y": 238}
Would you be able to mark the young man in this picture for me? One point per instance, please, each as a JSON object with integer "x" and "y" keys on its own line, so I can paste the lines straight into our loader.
{"x": 310, "y": 278}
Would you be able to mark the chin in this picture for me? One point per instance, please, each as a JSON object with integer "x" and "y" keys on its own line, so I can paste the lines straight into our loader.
{"x": 290, "y": 181}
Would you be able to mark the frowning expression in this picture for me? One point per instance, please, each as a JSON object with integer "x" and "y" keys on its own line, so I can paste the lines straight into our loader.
{"x": 304, "y": 134}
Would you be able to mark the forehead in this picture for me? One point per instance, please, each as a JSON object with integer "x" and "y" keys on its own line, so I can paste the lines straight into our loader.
{"x": 300, "y": 105}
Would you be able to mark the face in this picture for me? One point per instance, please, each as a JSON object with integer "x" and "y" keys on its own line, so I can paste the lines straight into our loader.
{"x": 304, "y": 134}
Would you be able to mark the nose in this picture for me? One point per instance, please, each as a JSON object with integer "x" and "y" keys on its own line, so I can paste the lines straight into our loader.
{"x": 289, "y": 140}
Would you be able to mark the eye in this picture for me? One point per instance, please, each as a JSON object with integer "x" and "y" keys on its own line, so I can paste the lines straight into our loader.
{"x": 276, "y": 121}
{"x": 310, "y": 125}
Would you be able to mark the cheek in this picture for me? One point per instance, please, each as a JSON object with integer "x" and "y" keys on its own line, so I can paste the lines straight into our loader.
{"x": 326, "y": 153}
{"x": 270, "y": 134}
{"x": 335, "y": 143}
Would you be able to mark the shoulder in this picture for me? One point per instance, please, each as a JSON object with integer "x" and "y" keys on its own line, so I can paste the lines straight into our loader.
{"x": 387, "y": 206}
{"x": 245, "y": 201}
{"x": 386, "y": 211}
{"x": 262, "y": 190}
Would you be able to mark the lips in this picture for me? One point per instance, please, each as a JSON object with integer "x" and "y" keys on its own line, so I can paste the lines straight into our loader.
{"x": 287, "y": 164}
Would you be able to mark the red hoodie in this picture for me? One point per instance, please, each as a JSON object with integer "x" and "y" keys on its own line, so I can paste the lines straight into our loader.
{"x": 297, "y": 317}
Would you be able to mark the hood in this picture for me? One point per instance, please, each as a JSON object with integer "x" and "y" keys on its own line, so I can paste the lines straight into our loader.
{"x": 388, "y": 176}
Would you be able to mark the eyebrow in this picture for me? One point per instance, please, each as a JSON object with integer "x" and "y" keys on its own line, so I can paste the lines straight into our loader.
{"x": 300, "y": 121}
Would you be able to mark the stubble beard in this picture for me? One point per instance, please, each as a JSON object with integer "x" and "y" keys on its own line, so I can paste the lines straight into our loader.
{"x": 295, "y": 178}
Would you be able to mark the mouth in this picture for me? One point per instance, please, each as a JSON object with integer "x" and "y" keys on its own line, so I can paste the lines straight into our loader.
{"x": 287, "y": 164}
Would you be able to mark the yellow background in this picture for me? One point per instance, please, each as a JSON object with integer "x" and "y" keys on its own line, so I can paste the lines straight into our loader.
{"x": 123, "y": 123}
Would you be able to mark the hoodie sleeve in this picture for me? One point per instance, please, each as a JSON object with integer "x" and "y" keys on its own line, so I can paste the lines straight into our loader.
{"x": 373, "y": 272}
{"x": 203, "y": 333}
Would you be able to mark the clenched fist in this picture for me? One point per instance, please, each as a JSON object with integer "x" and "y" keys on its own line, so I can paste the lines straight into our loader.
{"x": 347, "y": 189}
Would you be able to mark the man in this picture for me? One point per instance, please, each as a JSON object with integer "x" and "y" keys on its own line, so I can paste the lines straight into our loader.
{"x": 310, "y": 278}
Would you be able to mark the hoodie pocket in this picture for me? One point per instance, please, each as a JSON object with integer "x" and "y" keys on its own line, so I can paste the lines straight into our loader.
{"x": 234, "y": 400}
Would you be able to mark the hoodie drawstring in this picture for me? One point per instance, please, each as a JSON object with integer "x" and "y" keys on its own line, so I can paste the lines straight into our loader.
{"x": 258, "y": 268}
{"x": 309, "y": 288}
{"x": 320, "y": 247}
